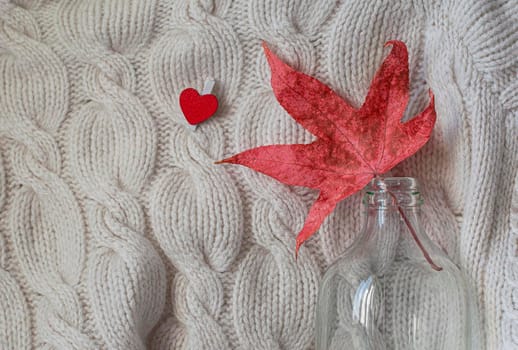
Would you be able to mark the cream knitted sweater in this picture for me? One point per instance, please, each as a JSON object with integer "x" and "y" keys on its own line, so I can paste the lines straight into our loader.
{"x": 117, "y": 231}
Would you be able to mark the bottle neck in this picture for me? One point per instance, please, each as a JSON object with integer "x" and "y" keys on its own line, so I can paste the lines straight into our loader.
{"x": 393, "y": 211}
{"x": 393, "y": 221}
{"x": 392, "y": 203}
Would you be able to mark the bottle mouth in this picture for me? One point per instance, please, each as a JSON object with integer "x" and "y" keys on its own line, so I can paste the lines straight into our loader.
{"x": 393, "y": 192}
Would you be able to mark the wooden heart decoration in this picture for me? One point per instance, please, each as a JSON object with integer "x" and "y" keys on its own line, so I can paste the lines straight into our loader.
{"x": 197, "y": 108}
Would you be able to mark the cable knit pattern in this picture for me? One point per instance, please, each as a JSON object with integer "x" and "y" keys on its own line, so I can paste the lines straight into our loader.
{"x": 492, "y": 145}
{"x": 274, "y": 295}
{"x": 112, "y": 143}
{"x": 44, "y": 220}
{"x": 14, "y": 318}
{"x": 196, "y": 210}
{"x": 118, "y": 231}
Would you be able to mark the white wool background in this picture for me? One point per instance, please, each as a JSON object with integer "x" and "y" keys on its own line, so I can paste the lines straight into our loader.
{"x": 118, "y": 231}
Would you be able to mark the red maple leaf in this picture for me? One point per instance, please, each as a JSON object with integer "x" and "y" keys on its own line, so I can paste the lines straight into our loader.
{"x": 352, "y": 146}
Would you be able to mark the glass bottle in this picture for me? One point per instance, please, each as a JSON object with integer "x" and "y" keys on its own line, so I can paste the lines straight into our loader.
{"x": 394, "y": 288}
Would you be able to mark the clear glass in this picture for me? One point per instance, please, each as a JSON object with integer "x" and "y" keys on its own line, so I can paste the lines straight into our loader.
{"x": 384, "y": 294}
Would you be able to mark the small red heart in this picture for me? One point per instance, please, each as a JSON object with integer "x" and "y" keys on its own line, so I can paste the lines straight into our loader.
{"x": 197, "y": 108}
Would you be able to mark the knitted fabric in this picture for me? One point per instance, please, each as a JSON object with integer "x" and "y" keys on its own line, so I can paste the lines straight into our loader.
{"x": 118, "y": 231}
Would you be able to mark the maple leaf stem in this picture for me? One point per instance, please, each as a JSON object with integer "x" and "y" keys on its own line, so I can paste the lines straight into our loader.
{"x": 414, "y": 234}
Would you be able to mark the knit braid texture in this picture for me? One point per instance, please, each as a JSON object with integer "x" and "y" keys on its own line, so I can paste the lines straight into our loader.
{"x": 118, "y": 231}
